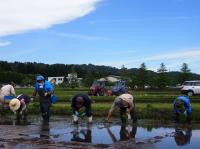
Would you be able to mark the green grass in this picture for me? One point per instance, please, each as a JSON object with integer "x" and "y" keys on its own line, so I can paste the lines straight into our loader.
{"x": 64, "y": 95}
{"x": 161, "y": 111}
{"x": 149, "y": 104}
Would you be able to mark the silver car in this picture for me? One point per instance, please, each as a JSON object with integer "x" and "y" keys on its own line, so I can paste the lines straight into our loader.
{"x": 191, "y": 88}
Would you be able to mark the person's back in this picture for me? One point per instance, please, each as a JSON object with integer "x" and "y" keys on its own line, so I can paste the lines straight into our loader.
{"x": 7, "y": 90}
{"x": 182, "y": 108}
{"x": 186, "y": 103}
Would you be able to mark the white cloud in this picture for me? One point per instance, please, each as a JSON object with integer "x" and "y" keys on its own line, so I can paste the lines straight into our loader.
{"x": 189, "y": 54}
{"x": 5, "y": 43}
{"x": 82, "y": 37}
{"x": 17, "y": 16}
{"x": 172, "y": 60}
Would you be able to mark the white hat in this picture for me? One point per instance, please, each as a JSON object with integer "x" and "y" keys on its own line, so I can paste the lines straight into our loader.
{"x": 14, "y": 104}
{"x": 127, "y": 97}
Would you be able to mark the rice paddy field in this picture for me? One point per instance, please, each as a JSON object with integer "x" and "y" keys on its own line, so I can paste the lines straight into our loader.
{"x": 149, "y": 104}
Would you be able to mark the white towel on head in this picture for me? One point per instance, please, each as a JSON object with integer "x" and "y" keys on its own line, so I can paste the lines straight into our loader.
{"x": 127, "y": 97}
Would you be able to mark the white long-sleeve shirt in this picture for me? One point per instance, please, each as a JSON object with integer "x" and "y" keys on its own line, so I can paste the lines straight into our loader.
{"x": 118, "y": 101}
{"x": 7, "y": 90}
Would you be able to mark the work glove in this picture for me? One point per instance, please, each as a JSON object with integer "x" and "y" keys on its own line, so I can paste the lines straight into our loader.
{"x": 47, "y": 94}
{"x": 76, "y": 113}
{"x": 32, "y": 98}
{"x": 83, "y": 114}
{"x": 129, "y": 116}
{"x": 185, "y": 113}
{"x": 75, "y": 118}
{"x": 90, "y": 119}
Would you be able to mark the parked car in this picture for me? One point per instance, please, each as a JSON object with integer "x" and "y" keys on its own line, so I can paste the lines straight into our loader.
{"x": 191, "y": 88}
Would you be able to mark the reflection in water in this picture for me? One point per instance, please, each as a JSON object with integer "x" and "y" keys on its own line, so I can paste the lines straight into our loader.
{"x": 14, "y": 122}
{"x": 182, "y": 134}
{"x": 163, "y": 135}
{"x": 45, "y": 130}
{"x": 86, "y": 133}
{"x": 126, "y": 132}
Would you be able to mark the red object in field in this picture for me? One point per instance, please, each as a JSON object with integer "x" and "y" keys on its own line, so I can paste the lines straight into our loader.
{"x": 97, "y": 88}
{"x": 109, "y": 92}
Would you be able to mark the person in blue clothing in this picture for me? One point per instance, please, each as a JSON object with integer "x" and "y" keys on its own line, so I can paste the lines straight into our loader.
{"x": 44, "y": 89}
{"x": 182, "y": 106}
{"x": 183, "y": 134}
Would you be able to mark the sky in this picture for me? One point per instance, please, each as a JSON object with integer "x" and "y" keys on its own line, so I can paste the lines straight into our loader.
{"x": 102, "y": 32}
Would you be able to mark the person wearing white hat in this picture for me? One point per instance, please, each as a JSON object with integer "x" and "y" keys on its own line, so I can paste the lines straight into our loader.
{"x": 19, "y": 104}
{"x": 14, "y": 105}
{"x": 125, "y": 103}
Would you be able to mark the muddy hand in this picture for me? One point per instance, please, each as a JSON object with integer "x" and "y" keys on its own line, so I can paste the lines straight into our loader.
{"x": 32, "y": 99}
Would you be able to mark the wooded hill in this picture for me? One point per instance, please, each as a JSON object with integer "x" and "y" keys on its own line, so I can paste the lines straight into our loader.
{"x": 23, "y": 73}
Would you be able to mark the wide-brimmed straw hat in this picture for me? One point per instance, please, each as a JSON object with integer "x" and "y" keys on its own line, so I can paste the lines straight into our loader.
{"x": 14, "y": 104}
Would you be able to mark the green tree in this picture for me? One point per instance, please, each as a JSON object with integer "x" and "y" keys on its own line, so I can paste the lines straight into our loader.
{"x": 123, "y": 72}
{"x": 185, "y": 73}
{"x": 125, "y": 75}
{"x": 88, "y": 79}
{"x": 162, "y": 79}
{"x": 133, "y": 81}
{"x": 142, "y": 76}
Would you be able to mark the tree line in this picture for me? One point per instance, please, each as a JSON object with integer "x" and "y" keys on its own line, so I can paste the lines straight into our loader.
{"x": 24, "y": 73}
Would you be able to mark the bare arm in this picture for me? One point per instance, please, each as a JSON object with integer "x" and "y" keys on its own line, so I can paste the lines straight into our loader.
{"x": 131, "y": 108}
{"x": 34, "y": 94}
{"x": 108, "y": 116}
{"x": 110, "y": 112}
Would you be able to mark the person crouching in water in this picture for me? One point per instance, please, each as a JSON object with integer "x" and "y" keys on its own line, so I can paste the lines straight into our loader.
{"x": 19, "y": 105}
{"x": 81, "y": 101}
{"x": 125, "y": 103}
{"x": 182, "y": 107}
{"x": 44, "y": 90}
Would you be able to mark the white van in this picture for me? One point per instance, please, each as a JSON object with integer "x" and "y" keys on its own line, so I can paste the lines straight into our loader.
{"x": 191, "y": 88}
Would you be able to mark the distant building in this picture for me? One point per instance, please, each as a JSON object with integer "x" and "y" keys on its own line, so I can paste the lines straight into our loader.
{"x": 110, "y": 78}
{"x": 113, "y": 78}
{"x": 69, "y": 78}
{"x": 58, "y": 80}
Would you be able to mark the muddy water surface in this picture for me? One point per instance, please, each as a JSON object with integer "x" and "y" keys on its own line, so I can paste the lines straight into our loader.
{"x": 61, "y": 133}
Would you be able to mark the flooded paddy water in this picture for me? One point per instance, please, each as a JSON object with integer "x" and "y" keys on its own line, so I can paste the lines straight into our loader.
{"x": 61, "y": 133}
